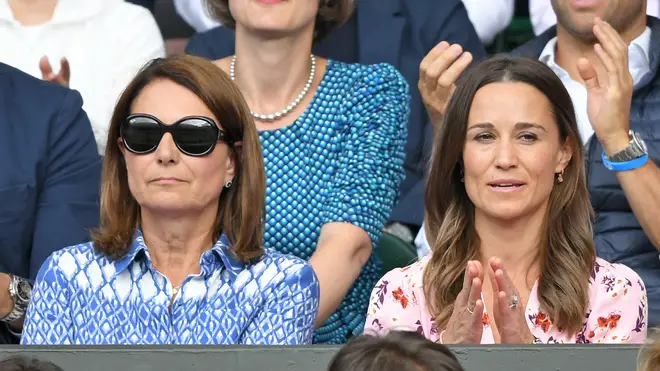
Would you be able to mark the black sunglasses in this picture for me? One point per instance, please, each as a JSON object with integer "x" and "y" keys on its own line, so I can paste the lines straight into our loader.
{"x": 193, "y": 135}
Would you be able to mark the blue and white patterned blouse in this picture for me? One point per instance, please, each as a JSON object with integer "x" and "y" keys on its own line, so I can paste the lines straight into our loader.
{"x": 83, "y": 297}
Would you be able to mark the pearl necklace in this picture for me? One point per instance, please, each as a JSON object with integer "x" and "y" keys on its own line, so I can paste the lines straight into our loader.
{"x": 290, "y": 107}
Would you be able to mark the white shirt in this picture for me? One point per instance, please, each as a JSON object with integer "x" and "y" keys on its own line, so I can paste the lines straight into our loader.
{"x": 639, "y": 66}
{"x": 195, "y": 13}
{"x": 543, "y": 16}
{"x": 105, "y": 41}
{"x": 489, "y": 18}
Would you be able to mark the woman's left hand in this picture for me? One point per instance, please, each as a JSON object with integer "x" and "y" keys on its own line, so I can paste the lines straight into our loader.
{"x": 508, "y": 311}
{"x": 609, "y": 89}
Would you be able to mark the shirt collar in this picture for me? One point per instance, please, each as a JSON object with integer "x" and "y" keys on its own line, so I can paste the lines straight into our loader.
{"x": 638, "y": 51}
{"x": 220, "y": 250}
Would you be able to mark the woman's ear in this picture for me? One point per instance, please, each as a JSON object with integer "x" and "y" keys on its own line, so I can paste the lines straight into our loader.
{"x": 564, "y": 155}
{"x": 122, "y": 147}
{"x": 232, "y": 160}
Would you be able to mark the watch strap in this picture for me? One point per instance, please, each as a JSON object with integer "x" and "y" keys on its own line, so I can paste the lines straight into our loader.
{"x": 20, "y": 301}
{"x": 626, "y": 165}
{"x": 635, "y": 149}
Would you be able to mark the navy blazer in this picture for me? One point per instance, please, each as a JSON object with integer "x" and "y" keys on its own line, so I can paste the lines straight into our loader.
{"x": 50, "y": 172}
{"x": 399, "y": 32}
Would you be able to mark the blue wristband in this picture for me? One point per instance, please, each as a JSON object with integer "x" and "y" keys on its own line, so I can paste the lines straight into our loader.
{"x": 627, "y": 165}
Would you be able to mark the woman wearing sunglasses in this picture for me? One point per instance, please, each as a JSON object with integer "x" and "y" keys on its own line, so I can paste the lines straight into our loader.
{"x": 178, "y": 258}
{"x": 332, "y": 136}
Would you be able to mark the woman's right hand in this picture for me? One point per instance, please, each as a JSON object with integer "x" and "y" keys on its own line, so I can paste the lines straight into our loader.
{"x": 465, "y": 325}
{"x": 438, "y": 73}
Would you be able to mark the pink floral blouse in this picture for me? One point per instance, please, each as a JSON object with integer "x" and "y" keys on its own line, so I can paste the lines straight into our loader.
{"x": 617, "y": 308}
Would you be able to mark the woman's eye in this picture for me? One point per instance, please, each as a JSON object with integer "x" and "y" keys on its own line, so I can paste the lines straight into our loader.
{"x": 528, "y": 137}
{"x": 484, "y": 137}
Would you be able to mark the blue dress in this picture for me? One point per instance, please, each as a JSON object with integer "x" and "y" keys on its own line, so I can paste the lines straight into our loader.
{"x": 340, "y": 161}
{"x": 82, "y": 297}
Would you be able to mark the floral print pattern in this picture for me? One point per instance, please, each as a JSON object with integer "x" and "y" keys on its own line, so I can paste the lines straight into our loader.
{"x": 617, "y": 308}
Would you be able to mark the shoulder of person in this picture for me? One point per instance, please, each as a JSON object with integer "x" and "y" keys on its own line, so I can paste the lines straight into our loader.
{"x": 407, "y": 278}
{"x": 21, "y": 89}
{"x": 614, "y": 279}
{"x": 289, "y": 265}
{"x": 121, "y": 14}
{"x": 375, "y": 74}
{"x": 70, "y": 261}
{"x": 368, "y": 81}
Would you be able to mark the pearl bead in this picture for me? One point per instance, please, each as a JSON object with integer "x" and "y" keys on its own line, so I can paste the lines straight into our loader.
{"x": 290, "y": 107}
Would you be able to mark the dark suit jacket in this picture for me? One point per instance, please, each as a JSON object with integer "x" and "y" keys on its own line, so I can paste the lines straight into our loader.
{"x": 399, "y": 32}
{"x": 50, "y": 173}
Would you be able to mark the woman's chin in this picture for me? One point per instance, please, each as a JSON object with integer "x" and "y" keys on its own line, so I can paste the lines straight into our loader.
{"x": 506, "y": 214}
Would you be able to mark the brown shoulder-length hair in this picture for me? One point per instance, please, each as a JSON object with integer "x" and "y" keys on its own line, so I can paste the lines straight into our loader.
{"x": 331, "y": 15}
{"x": 240, "y": 208}
{"x": 567, "y": 252}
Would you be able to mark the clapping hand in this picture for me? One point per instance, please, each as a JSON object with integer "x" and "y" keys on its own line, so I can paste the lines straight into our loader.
{"x": 609, "y": 90}
{"x": 465, "y": 325}
{"x": 62, "y": 78}
{"x": 508, "y": 311}
{"x": 438, "y": 73}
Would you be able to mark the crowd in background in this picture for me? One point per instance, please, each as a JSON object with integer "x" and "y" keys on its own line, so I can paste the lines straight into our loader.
{"x": 239, "y": 193}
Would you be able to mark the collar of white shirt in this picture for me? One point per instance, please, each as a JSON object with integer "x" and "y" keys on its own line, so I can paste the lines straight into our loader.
{"x": 65, "y": 11}
{"x": 638, "y": 57}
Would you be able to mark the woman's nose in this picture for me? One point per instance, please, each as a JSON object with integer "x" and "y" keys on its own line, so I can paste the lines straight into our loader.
{"x": 505, "y": 155}
{"x": 167, "y": 152}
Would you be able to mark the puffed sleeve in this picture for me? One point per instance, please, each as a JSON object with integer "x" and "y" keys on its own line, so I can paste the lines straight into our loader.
{"x": 619, "y": 311}
{"x": 370, "y": 168}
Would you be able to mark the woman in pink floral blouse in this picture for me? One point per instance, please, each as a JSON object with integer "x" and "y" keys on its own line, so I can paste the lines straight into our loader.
{"x": 508, "y": 219}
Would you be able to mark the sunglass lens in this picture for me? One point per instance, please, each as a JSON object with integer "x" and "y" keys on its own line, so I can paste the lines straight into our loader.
{"x": 196, "y": 136}
{"x": 141, "y": 134}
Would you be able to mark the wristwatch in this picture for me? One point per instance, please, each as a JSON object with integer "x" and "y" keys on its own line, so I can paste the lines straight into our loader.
{"x": 632, "y": 157}
{"x": 20, "y": 291}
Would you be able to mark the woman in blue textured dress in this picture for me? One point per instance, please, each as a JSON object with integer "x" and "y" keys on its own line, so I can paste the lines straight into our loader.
{"x": 332, "y": 137}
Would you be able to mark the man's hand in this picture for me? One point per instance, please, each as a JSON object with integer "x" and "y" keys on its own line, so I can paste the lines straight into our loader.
{"x": 609, "y": 90}
{"x": 438, "y": 73}
{"x": 62, "y": 78}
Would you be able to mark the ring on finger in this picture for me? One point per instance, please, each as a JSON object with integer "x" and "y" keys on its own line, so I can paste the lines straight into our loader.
{"x": 471, "y": 311}
{"x": 514, "y": 301}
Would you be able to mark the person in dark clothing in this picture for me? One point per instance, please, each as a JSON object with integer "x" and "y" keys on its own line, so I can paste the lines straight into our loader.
{"x": 50, "y": 176}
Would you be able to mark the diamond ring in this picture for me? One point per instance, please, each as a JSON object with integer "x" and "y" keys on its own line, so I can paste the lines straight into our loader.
{"x": 514, "y": 301}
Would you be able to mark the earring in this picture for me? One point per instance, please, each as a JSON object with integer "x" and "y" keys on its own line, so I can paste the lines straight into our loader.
{"x": 462, "y": 176}
{"x": 228, "y": 184}
{"x": 560, "y": 176}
